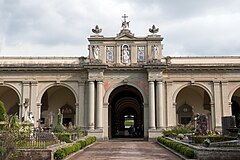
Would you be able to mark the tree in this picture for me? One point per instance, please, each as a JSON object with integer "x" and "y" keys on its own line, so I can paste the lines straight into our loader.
{"x": 3, "y": 112}
{"x": 12, "y": 134}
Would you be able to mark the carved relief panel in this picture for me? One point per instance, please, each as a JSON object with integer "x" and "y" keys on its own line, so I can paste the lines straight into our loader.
{"x": 140, "y": 54}
{"x": 109, "y": 53}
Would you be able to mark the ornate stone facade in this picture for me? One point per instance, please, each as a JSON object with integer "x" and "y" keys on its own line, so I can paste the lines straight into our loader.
{"x": 124, "y": 77}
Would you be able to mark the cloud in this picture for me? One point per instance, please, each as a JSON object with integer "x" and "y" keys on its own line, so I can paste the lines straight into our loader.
{"x": 61, "y": 27}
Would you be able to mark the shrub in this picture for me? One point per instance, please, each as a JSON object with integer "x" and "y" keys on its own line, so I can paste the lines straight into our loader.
{"x": 83, "y": 144}
{"x": 58, "y": 128}
{"x": 180, "y": 129}
{"x": 212, "y": 138}
{"x": 184, "y": 150}
{"x": 65, "y": 151}
{"x": 77, "y": 146}
{"x": 64, "y": 137}
{"x": 68, "y": 150}
{"x": 59, "y": 154}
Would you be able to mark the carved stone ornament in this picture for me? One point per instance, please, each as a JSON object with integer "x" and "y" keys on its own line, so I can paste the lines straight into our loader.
{"x": 97, "y": 30}
{"x": 153, "y": 30}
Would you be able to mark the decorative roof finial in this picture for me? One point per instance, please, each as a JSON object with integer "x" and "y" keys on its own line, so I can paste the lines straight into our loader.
{"x": 125, "y": 24}
{"x": 153, "y": 29}
{"x": 97, "y": 30}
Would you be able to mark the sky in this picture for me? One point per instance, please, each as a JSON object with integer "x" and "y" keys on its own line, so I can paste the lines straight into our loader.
{"x": 61, "y": 27}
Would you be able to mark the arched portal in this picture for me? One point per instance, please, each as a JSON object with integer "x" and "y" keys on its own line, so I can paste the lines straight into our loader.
{"x": 10, "y": 99}
{"x": 125, "y": 112}
{"x": 55, "y": 99}
{"x": 236, "y": 106}
{"x": 192, "y": 100}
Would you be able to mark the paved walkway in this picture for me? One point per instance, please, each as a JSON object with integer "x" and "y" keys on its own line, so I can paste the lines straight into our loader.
{"x": 131, "y": 150}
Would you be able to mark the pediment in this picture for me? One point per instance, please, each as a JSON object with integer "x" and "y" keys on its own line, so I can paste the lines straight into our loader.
{"x": 124, "y": 37}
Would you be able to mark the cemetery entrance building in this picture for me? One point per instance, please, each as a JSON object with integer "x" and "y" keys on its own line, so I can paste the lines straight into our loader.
{"x": 125, "y": 87}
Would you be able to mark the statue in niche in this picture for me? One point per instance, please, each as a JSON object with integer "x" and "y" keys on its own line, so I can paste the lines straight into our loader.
{"x": 125, "y": 54}
{"x": 155, "y": 52}
{"x": 96, "y": 52}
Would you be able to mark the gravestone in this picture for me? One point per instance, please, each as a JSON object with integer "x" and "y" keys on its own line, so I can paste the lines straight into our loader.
{"x": 229, "y": 126}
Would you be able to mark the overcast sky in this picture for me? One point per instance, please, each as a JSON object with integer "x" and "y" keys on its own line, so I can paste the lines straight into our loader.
{"x": 61, "y": 27}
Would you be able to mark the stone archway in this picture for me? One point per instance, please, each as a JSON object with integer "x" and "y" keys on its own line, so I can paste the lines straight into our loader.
{"x": 10, "y": 99}
{"x": 190, "y": 101}
{"x": 125, "y": 109}
{"x": 54, "y": 99}
{"x": 236, "y": 106}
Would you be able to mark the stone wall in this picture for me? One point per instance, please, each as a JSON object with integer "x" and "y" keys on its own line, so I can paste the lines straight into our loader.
{"x": 36, "y": 154}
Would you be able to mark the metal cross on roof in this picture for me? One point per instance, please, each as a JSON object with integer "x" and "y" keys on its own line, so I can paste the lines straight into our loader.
{"x": 124, "y": 16}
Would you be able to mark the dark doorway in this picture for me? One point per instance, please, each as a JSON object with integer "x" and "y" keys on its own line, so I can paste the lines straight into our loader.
{"x": 126, "y": 109}
{"x": 236, "y": 112}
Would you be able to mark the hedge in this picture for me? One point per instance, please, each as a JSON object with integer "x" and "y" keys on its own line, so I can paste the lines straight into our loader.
{"x": 213, "y": 138}
{"x": 65, "y": 151}
{"x": 180, "y": 148}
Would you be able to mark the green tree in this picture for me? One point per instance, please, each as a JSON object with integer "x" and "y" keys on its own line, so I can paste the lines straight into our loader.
{"x": 3, "y": 112}
{"x": 12, "y": 134}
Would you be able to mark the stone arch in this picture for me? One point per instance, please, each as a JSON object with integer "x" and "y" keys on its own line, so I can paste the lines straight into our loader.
{"x": 58, "y": 97}
{"x": 195, "y": 84}
{"x": 12, "y": 107}
{"x": 231, "y": 93}
{"x": 109, "y": 91}
{"x": 13, "y": 88}
{"x": 39, "y": 97}
{"x": 197, "y": 99}
{"x": 234, "y": 100}
{"x": 125, "y": 103}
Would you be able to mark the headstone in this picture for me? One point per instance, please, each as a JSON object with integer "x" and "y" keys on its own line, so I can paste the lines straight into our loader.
{"x": 228, "y": 122}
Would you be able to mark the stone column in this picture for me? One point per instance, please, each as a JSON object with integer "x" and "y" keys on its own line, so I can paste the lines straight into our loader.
{"x": 81, "y": 116}
{"x": 25, "y": 98}
{"x": 212, "y": 116}
{"x": 33, "y": 102}
{"x": 77, "y": 115}
{"x": 118, "y": 54}
{"x": 171, "y": 106}
{"x": 217, "y": 102}
{"x": 160, "y": 105}
{"x": 91, "y": 106}
{"x": 99, "y": 105}
{"x": 226, "y": 110}
{"x": 106, "y": 127}
{"x": 39, "y": 114}
{"x": 151, "y": 105}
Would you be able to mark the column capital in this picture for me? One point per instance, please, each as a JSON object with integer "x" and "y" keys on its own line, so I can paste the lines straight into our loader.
{"x": 216, "y": 81}
{"x": 26, "y": 83}
{"x": 39, "y": 104}
{"x": 160, "y": 82}
{"x": 34, "y": 83}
